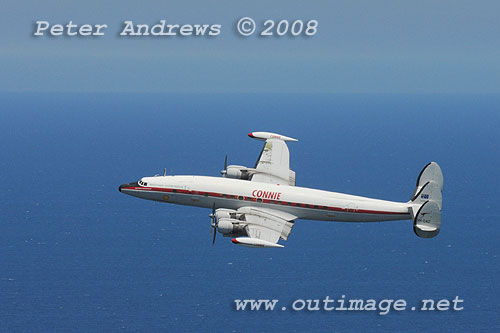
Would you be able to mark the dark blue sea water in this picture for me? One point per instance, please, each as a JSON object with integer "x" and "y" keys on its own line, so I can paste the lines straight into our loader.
{"x": 76, "y": 255}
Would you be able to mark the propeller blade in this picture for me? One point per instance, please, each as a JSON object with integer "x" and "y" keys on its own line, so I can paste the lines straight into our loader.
{"x": 213, "y": 241}
{"x": 212, "y": 221}
{"x": 224, "y": 172}
{"x": 211, "y": 226}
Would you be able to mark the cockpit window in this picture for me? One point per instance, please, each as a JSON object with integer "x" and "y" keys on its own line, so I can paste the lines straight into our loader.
{"x": 140, "y": 182}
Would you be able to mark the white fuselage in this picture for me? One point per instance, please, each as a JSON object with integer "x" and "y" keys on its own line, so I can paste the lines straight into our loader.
{"x": 304, "y": 203}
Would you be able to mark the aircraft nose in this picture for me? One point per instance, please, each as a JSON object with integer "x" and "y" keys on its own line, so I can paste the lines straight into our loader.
{"x": 122, "y": 186}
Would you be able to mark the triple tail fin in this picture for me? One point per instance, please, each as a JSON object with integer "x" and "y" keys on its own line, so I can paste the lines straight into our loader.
{"x": 426, "y": 202}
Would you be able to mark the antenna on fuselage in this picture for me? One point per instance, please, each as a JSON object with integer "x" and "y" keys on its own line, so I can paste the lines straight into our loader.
{"x": 164, "y": 172}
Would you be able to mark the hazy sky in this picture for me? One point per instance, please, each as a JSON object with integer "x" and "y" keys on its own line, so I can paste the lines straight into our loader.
{"x": 361, "y": 46}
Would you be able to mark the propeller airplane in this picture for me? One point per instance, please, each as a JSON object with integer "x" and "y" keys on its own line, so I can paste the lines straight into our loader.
{"x": 257, "y": 206}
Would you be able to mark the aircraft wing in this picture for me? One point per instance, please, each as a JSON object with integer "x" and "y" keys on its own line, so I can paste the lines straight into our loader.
{"x": 265, "y": 224}
{"x": 273, "y": 164}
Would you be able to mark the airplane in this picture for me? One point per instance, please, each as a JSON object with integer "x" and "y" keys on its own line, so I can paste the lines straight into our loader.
{"x": 257, "y": 206}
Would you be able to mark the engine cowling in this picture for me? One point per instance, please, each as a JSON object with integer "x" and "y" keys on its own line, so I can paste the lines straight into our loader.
{"x": 225, "y": 225}
{"x": 221, "y": 213}
{"x": 235, "y": 171}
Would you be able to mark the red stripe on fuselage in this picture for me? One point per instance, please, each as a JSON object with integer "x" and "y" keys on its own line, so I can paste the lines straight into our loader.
{"x": 235, "y": 197}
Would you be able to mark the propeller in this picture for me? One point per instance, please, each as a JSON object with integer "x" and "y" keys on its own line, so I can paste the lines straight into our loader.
{"x": 224, "y": 172}
{"x": 213, "y": 223}
{"x": 215, "y": 234}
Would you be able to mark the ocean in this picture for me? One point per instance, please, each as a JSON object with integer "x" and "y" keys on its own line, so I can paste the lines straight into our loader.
{"x": 77, "y": 255}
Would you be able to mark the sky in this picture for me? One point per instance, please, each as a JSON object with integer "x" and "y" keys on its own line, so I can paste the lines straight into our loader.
{"x": 361, "y": 47}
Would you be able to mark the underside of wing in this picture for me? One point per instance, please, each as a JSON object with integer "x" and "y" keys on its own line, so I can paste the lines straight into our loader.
{"x": 264, "y": 227}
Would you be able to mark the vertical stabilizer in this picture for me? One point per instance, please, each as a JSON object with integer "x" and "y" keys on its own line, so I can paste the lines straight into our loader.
{"x": 426, "y": 202}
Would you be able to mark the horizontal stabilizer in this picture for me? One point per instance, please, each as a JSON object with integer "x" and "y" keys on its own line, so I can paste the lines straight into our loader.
{"x": 430, "y": 191}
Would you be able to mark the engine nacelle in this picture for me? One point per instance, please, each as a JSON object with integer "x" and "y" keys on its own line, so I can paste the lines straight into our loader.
{"x": 225, "y": 225}
{"x": 234, "y": 171}
{"x": 221, "y": 213}
{"x": 238, "y": 172}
